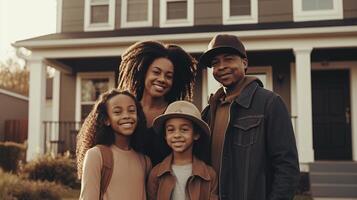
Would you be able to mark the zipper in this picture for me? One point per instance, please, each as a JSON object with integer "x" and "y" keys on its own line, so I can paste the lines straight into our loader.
{"x": 224, "y": 140}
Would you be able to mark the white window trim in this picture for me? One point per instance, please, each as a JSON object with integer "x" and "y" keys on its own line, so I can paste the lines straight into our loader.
{"x": 242, "y": 19}
{"x": 99, "y": 26}
{"x": 164, "y": 22}
{"x": 124, "y": 12}
{"x": 93, "y": 75}
{"x": 300, "y": 15}
{"x": 267, "y": 70}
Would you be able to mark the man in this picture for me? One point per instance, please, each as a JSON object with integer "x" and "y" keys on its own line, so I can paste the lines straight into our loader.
{"x": 253, "y": 148}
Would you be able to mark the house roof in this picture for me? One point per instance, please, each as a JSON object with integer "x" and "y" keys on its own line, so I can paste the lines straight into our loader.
{"x": 129, "y": 32}
{"x": 13, "y": 94}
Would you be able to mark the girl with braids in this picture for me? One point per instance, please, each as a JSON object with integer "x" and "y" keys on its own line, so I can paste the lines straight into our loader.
{"x": 115, "y": 124}
{"x": 157, "y": 75}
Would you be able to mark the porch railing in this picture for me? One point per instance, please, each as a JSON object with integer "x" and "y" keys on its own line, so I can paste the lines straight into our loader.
{"x": 60, "y": 136}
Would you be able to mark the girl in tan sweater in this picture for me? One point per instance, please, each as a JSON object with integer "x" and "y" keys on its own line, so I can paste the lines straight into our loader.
{"x": 116, "y": 123}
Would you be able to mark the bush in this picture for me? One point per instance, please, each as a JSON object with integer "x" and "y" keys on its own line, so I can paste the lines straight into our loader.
{"x": 14, "y": 188}
{"x": 11, "y": 154}
{"x": 60, "y": 169}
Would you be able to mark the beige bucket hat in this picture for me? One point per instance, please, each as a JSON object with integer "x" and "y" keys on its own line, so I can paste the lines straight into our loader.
{"x": 181, "y": 109}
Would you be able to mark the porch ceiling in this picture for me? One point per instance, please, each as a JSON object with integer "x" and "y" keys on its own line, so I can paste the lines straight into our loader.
{"x": 90, "y": 64}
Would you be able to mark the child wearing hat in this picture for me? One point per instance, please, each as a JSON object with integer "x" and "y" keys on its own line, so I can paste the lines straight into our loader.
{"x": 183, "y": 175}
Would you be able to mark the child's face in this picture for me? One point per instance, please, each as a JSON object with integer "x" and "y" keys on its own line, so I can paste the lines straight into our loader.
{"x": 122, "y": 114}
{"x": 159, "y": 77}
{"x": 180, "y": 135}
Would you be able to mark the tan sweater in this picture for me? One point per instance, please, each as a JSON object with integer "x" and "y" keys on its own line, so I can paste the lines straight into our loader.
{"x": 223, "y": 102}
{"x": 128, "y": 178}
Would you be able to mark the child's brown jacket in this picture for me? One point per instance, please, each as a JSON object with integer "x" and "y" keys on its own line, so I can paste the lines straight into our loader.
{"x": 201, "y": 185}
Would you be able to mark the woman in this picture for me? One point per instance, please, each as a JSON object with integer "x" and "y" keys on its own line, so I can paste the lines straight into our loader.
{"x": 158, "y": 75}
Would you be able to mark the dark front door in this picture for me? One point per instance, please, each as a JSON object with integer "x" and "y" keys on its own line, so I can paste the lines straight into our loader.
{"x": 331, "y": 115}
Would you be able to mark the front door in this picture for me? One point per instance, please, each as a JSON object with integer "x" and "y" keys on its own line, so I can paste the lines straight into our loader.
{"x": 331, "y": 115}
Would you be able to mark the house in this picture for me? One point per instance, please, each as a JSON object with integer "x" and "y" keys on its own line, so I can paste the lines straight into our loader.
{"x": 13, "y": 116}
{"x": 305, "y": 50}
{"x": 14, "y": 113}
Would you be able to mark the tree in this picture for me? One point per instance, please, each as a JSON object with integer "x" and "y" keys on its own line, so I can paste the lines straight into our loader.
{"x": 14, "y": 77}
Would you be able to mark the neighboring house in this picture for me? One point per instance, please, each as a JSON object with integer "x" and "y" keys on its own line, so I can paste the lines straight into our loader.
{"x": 13, "y": 116}
{"x": 14, "y": 113}
{"x": 305, "y": 50}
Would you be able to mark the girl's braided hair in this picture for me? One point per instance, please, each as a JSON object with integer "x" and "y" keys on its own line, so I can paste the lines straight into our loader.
{"x": 94, "y": 130}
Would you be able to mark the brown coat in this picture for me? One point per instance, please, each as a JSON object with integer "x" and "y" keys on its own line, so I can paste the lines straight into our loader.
{"x": 201, "y": 185}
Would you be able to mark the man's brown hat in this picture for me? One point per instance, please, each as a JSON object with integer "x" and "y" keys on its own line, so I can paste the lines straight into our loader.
{"x": 222, "y": 43}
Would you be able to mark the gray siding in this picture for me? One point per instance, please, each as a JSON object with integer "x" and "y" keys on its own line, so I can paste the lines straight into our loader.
{"x": 72, "y": 15}
{"x": 275, "y": 10}
{"x": 207, "y": 12}
{"x": 281, "y": 82}
{"x": 11, "y": 108}
{"x": 156, "y": 12}
{"x": 349, "y": 9}
{"x": 67, "y": 97}
{"x": 117, "y": 14}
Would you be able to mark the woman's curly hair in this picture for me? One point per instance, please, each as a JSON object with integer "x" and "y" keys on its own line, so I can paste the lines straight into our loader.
{"x": 94, "y": 130}
{"x": 137, "y": 59}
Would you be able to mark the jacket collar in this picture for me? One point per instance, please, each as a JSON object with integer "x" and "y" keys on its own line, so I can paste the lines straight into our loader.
{"x": 198, "y": 168}
{"x": 246, "y": 96}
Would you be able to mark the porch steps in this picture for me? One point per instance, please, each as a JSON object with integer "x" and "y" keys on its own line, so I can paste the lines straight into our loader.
{"x": 333, "y": 179}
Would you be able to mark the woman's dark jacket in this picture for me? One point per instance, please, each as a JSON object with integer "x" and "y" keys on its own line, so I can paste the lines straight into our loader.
{"x": 259, "y": 158}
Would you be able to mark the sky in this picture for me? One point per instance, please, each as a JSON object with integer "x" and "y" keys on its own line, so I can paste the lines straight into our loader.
{"x": 23, "y": 19}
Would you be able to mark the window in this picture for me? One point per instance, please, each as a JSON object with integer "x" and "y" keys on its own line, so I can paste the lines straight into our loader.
{"x": 240, "y": 11}
{"x": 89, "y": 87}
{"x": 99, "y": 15}
{"x": 175, "y": 13}
{"x": 307, "y": 10}
{"x": 264, "y": 74}
{"x": 136, "y": 13}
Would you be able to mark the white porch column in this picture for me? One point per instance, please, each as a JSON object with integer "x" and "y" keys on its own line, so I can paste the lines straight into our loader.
{"x": 354, "y": 111}
{"x": 55, "y": 108}
{"x": 304, "y": 105}
{"x": 210, "y": 85}
{"x": 37, "y": 97}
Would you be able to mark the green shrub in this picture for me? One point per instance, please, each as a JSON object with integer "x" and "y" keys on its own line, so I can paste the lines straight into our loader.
{"x": 11, "y": 154}
{"x": 60, "y": 169}
{"x": 14, "y": 188}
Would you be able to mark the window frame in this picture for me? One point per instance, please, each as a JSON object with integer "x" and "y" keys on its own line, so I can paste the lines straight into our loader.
{"x": 315, "y": 15}
{"x": 164, "y": 22}
{"x": 262, "y": 70}
{"x": 89, "y": 75}
{"x": 243, "y": 19}
{"x": 126, "y": 24}
{"x": 88, "y": 26}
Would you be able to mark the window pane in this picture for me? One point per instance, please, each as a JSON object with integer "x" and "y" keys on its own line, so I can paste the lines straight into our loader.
{"x": 99, "y": 1}
{"x": 239, "y": 7}
{"x": 326, "y": 4}
{"x": 137, "y": 10}
{"x": 92, "y": 88}
{"x": 262, "y": 77}
{"x": 177, "y": 10}
{"x": 99, "y": 14}
{"x": 317, "y": 5}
